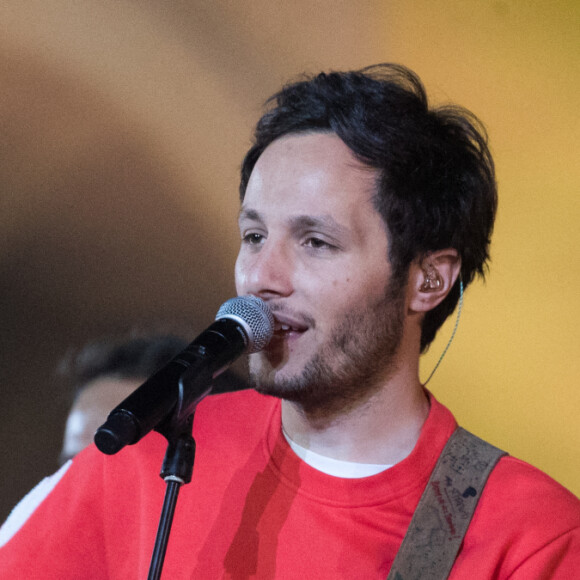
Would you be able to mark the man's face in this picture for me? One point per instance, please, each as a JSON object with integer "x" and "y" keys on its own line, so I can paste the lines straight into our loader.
{"x": 315, "y": 249}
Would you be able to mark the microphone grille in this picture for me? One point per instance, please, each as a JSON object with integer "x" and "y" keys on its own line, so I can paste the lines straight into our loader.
{"x": 255, "y": 317}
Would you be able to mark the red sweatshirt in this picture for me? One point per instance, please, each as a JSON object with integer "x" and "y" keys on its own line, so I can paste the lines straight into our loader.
{"x": 255, "y": 510}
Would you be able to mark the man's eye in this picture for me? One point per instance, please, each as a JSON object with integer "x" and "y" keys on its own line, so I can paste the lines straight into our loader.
{"x": 317, "y": 244}
{"x": 253, "y": 239}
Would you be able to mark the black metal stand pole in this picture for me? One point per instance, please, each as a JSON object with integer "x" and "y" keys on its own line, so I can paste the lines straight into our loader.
{"x": 165, "y": 521}
{"x": 177, "y": 470}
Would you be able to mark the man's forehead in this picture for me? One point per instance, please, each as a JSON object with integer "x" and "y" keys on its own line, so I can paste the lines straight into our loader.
{"x": 309, "y": 180}
{"x": 314, "y": 148}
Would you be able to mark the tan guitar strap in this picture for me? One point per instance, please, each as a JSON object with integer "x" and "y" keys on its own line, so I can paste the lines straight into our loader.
{"x": 445, "y": 509}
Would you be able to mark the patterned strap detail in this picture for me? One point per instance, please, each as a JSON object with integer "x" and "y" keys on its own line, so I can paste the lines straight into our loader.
{"x": 445, "y": 509}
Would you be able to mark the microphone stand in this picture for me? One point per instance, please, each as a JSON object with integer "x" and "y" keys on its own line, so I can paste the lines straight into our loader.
{"x": 177, "y": 468}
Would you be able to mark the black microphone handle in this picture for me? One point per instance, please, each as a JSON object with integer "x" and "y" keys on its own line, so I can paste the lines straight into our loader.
{"x": 144, "y": 409}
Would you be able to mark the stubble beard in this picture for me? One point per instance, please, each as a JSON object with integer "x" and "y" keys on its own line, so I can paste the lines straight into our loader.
{"x": 351, "y": 366}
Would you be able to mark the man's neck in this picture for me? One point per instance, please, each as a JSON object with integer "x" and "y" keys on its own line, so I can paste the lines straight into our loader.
{"x": 382, "y": 429}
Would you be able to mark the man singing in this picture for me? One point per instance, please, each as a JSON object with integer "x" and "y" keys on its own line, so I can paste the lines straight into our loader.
{"x": 364, "y": 214}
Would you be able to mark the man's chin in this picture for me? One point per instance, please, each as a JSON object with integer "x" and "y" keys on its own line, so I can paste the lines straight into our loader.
{"x": 267, "y": 368}
{"x": 274, "y": 382}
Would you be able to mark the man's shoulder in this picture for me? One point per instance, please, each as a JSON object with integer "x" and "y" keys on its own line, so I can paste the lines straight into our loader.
{"x": 520, "y": 479}
{"x": 525, "y": 521}
{"x": 529, "y": 498}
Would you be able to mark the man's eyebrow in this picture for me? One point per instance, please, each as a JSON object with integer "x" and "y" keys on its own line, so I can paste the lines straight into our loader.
{"x": 323, "y": 221}
{"x": 300, "y": 222}
{"x": 250, "y": 214}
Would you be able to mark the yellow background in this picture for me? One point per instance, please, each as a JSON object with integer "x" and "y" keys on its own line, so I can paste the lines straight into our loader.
{"x": 511, "y": 374}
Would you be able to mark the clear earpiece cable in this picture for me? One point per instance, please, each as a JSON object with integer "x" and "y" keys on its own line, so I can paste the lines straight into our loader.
{"x": 459, "y": 305}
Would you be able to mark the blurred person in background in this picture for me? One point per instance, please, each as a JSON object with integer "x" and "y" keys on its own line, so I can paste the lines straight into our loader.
{"x": 106, "y": 371}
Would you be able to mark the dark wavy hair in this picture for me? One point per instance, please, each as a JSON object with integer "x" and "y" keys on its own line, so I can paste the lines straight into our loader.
{"x": 436, "y": 184}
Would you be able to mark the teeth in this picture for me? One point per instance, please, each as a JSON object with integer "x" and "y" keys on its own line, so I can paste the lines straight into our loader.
{"x": 284, "y": 327}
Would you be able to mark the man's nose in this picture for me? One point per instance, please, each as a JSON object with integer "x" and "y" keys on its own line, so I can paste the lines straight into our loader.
{"x": 268, "y": 273}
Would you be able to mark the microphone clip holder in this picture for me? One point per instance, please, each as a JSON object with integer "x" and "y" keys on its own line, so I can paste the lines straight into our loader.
{"x": 177, "y": 467}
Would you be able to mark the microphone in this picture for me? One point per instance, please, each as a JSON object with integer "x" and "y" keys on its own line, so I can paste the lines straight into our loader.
{"x": 242, "y": 325}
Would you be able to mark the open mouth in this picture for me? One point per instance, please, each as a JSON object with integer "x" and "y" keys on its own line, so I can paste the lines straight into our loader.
{"x": 286, "y": 328}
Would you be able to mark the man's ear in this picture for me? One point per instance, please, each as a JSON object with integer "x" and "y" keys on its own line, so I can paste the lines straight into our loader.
{"x": 431, "y": 278}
